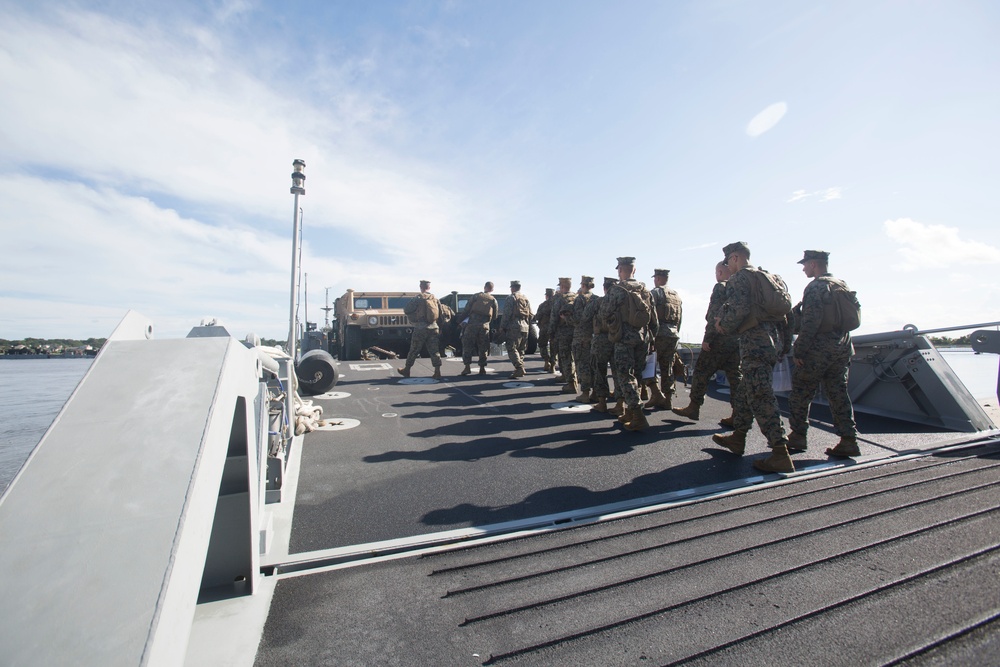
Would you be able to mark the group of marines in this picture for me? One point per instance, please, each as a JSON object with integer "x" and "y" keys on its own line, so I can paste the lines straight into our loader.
{"x": 583, "y": 334}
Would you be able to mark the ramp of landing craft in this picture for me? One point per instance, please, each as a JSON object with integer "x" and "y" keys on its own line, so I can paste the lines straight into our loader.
{"x": 875, "y": 564}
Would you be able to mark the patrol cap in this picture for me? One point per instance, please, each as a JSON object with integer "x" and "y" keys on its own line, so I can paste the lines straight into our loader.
{"x": 515, "y": 283}
{"x": 549, "y": 291}
{"x": 738, "y": 246}
{"x": 661, "y": 272}
{"x": 425, "y": 283}
{"x": 608, "y": 282}
{"x": 565, "y": 281}
{"x": 626, "y": 261}
{"x": 587, "y": 280}
{"x": 821, "y": 255}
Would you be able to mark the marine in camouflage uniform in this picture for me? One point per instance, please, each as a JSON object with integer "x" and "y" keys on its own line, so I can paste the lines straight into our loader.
{"x": 515, "y": 326}
{"x": 561, "y": 328}
{"x": 425, "y": 330}
{"x": 476, "y": 336}
{"x": 760, "y": 347}
{"x": 583, "y": 333}
{"x": 542, "y": 317}
{"x": 718, "y": 352}
{"x": 822, "y": 356}
{"x": 601, "y": 350}
{"x": 631, "y": 343}
{"x": 667, "y": 305}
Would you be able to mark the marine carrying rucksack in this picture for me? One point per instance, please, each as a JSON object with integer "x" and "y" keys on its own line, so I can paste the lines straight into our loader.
{"x": 637, "y": 310}
{"x": 523, "y": 306}
{"x": 844, "y": 311}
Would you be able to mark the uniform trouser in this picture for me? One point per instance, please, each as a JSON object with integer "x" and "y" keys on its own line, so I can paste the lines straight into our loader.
{"x": 515, "y": 347}
{"x": 581, "y": 359}
{"x": 543, "y": 344}
{"x": 755, "y": 399}
{"x": 628, "y": 361}
{"x": 829, "y": 370}
{"x": 724, "y": 356}
{"x": 424, "y": 338}
{"x": 476, "y": 340}
{"x": 564, "y": 343}
{"x": 665, "y": 348}
{"x": 602, "y": 351}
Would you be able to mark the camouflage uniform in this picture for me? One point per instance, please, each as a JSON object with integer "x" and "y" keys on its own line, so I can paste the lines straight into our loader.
{"x": 542, "y": 316}
{"x": 629, "y": 357}
{"x": 667, "y": 304}
{"x": 584, "y": 309}
{"x": 827, "y": 361}
{"x": 476, "y": 336}
{"x": 760, "y": 348}
{"x": 561, "y": 332}
{"x": 601, "y": 351}
{"x": 425, "y": 334}
{"x": 516, "y": 328}
{"x": 723, "y": 353}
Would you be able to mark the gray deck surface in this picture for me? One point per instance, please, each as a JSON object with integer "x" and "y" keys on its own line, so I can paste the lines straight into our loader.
{"x": 868, "y": 565}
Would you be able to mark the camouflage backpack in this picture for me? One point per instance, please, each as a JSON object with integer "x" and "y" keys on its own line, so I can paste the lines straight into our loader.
{"x": 481, "y": 304}
{"x": 637, "y": 310}
{"x": 771, "y": 300}
{"x": 844, "y": 312}
{"x": 523, "y": 307}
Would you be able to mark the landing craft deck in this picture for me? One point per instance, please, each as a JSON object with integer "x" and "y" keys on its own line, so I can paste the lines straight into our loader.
{"x": 627, "y": 547}
{"x": 474, "y": 451}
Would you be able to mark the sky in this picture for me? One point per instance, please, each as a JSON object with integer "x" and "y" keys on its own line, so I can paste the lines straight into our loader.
{"x": 146, "y": 150}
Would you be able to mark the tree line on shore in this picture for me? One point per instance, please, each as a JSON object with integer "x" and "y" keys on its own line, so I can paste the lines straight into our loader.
{"x": 49, "y": 345}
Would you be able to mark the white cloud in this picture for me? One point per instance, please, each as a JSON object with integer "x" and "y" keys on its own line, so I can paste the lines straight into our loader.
{"x": 173, "y": 158}
{"x": 766, "y": 119}
{"x": 925, "y": 246}
{"x": 827, "y": 194}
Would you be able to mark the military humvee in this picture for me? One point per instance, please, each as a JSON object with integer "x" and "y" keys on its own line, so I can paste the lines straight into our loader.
{"x": 372, "y": 319}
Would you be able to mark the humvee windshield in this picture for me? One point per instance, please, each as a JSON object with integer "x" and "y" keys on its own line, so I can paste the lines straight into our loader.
{"x": 362, "y": 304}
{"x": 398, "y": 301}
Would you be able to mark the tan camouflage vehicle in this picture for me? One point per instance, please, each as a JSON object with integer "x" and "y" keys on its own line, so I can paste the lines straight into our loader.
{"x": 372, "y": 319}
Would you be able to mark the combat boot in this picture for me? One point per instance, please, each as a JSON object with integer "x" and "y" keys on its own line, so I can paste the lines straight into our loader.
{"x": 570, "y": 387}
{"x": 404, "y": 371}
{"x": 627, "y": 415}
{"x": 467, "y": 370}
{"x": 638, "y": 421}
{"x": 847, "y": 447}
{"x": 601, "y": 405}
{"x": 692, "y": 411}
{"x": 584, "y": 397}
{"x": 657, "y": 400}
{"x": 727, "y": 422}
{"x": 778, "y": 461}
{"x": 482, "y": 370}
{"x": 437, "y": 373}
{"x": 618, "y": 409}
{"x": 796, "y": 442}
{"x": 735, "y": 442}
{"x": 518, "y": 373}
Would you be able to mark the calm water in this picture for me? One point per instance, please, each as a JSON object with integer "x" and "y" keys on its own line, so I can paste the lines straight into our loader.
{"x": 33, "y": 390}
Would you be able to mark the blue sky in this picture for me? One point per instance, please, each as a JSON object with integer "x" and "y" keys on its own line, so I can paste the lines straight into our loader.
{"x": 145, "y": 152}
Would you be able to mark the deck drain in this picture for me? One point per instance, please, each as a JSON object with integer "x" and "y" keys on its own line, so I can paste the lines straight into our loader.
{"x": 518, "y": 385}
{"x": 390, "y": 414}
